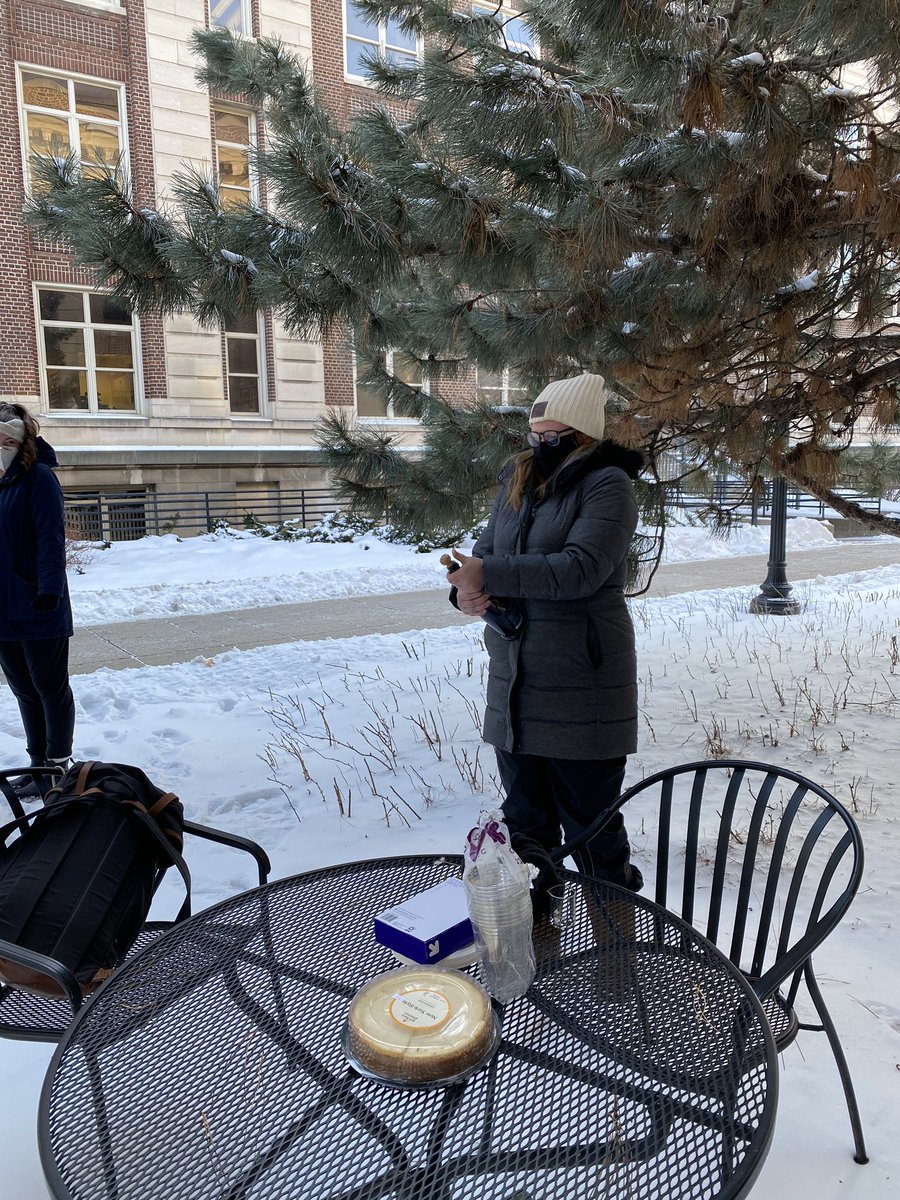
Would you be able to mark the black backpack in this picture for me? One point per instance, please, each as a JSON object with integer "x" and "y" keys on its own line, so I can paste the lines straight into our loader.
{"x": 76, "y": 885}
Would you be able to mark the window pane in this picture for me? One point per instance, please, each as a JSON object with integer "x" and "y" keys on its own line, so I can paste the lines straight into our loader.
{"x": 232, "y": 126}
{"x": 61, "y": 306}
{"x": 67, "y": 389}
{"x": 400, "y": 58}
{"x": 115, "y": 390}
{"x": 241, "y": 325}
{"x": 46, "y": 91}
{"x": 228, "y": 14}
{"x": 48, "y": 135}
{"x": 94, "y": 100}
{"x": 242, "y": 356}
{"x": 489, "y": 379}
{"x": 234, "y": 166}
{"x": 112, "y": 349}
{"x": 243, "y": 394}
{"x": 397, "y": 38}
{"x": 233, "y": 197}
{"x": 519, "y": 35}
{"x": 407, "y": 368}
{"x": 107, "y": 311}
{"x": 65, "y": 347}
{"x": 355, "y": 52}
{"x": 99, "y": 146}
{"x": 358, "y": 25}
{"x": 369, "y": 403}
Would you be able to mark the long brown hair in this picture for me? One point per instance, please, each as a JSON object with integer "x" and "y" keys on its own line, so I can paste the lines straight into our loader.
{"x": 525, "y": 470}
{"x": 12, "y": 412}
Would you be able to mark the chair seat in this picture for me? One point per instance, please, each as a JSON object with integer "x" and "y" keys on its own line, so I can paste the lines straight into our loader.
{"x": 44, "y": 1019}
{"x": 782, "y": 1020}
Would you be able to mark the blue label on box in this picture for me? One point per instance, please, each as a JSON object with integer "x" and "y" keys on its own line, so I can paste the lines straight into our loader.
{"x": 429, "y": 926}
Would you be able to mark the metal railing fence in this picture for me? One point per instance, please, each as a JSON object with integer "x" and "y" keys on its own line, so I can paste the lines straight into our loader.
{"x": 130, "y": 514}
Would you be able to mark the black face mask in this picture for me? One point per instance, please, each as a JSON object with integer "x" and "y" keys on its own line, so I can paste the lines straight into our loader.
{"x": 548, "y": 458}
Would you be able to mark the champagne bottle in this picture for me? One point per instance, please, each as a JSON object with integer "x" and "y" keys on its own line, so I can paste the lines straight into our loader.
{"x": 504, "y": 616}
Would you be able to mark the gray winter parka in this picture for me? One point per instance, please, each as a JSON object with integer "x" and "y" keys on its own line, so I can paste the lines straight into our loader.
{"x": 567, "y": 688}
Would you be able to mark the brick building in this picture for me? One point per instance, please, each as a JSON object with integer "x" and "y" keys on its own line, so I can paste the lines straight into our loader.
{"x": 148, "y": 405}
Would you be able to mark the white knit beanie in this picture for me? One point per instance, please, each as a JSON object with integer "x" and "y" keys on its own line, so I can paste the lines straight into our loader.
{"x": 14, "y": 428}
{"x": 579, "y": 402}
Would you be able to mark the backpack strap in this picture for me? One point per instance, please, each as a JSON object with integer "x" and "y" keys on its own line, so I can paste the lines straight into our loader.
{"x": 81, "y": 781}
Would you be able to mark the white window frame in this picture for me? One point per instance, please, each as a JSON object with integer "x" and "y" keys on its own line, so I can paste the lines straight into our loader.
{"x": 90, "y": 365}
{"x": 502, "y": 391}
{"x": 71, "y": 77}
{"x": 381, "y": 46}
{"x": 253, "y": 194}
{"x": 505, "y": 12}
{"x": 389, "y": 417}
{"x": 261, "y": 376}
{"x": 246, "y": 21}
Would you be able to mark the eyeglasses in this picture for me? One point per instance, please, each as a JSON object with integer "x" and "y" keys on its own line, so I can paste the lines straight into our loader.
{"x": 550, "y": 438}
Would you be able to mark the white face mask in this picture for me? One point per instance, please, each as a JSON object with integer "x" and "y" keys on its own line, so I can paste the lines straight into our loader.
{"x": 7, "y": 454}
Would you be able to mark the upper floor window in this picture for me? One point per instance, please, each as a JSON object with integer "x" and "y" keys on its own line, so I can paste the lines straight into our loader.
{"x": 370, "y": 402}
{"x": 88, "y": 351}
{"x": 64, "y": 115}
{"x": 244, "y": 360}
{"x": 235, "y": 133}
{"x": 518, "y": 36}
{"x": 500, "y": 387}
{"x": 365, "y": 37}
{"x": 231, "y": 14}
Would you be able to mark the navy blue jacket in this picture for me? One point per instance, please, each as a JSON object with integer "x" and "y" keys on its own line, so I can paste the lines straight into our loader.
{"x": 32, "y": 550}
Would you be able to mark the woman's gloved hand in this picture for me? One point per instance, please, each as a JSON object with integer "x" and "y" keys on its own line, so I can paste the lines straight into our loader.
{"x": 46, "y": 603}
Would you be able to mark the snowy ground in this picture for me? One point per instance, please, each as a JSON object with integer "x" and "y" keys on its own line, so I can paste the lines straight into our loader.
{"x": 387, "y": 729}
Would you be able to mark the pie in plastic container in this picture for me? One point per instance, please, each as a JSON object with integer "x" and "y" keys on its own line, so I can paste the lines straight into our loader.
{"x": 420, "y": 1027}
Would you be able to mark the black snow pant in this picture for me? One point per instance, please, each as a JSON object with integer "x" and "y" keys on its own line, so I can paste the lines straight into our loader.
{"x": 37, "y": 671}
{"x": 544, "y": 795}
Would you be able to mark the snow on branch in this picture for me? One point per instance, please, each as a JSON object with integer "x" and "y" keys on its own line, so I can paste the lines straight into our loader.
{"x": 805, "y": 283}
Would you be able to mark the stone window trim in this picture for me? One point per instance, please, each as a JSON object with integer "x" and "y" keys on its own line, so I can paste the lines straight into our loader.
{"x": 258, "y": 336}
{"x": 377, "y": 40}
{"x": 90, "y": 368}
{"x": 70, "y": 115}
{"x": 388, "y": 416}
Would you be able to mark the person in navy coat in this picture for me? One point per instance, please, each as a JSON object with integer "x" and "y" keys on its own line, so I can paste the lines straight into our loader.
{"x": 35, "y": 612}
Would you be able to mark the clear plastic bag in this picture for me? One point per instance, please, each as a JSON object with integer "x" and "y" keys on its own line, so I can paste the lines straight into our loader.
{"x": 498, "y": 894}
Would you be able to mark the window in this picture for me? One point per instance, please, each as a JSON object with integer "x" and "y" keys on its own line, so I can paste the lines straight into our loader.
{"x": 500, "y": 387}
{"x": 235, "y": 133}
{"x": 88, "y": 351}
{"x": 369, "y": 401}
{"x": 231, "y": 14}
{"x": 385, "y": 38}
{"x": 519, "y": 37}
{"x": 243, "y": 360}
{"x": 64, "y": 115}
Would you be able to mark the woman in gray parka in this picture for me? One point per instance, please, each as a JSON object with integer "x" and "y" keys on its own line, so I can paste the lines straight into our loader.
{"x": 562, "y": 698}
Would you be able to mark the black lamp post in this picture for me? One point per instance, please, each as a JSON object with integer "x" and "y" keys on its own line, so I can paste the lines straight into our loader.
{"x": 775, "y": 593}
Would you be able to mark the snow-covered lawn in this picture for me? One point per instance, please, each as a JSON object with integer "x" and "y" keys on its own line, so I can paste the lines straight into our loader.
{"x": 162, "y": 576}
{"x": 387, "y": 729}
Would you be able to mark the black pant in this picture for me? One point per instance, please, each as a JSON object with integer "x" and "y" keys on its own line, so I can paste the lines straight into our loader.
{"x": 543, "y": 794}
{"x": 37, "y": 672}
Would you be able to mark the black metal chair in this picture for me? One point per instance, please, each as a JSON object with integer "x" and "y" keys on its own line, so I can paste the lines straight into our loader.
{"x": 764, "y": 863}
{"x": 29, "y": 1017}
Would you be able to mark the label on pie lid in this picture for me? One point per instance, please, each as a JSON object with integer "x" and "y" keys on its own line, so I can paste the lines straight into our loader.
{"x": 419, "y": 1009}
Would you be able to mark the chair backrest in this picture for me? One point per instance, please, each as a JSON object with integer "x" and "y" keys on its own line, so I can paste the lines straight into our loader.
{"x": 761, "y": 860}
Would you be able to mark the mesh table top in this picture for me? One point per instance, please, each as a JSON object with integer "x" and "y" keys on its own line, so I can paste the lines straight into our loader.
{"x": 639, "y": 1064}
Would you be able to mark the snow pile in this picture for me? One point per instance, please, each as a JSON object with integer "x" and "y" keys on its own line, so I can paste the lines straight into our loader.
{"x": 687, "y": 543}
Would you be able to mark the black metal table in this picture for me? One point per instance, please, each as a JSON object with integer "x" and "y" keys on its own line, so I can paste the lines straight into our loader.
{"x": 209, "y": 1067}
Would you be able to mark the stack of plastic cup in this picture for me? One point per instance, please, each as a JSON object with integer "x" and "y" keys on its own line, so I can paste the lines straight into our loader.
{"x": 501, "y": 915}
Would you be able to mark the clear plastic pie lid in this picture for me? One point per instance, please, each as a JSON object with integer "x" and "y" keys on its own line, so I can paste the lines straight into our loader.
{"x": 420, "y": 1026}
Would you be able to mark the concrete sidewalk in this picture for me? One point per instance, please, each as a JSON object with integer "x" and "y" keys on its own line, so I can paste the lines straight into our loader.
{"x": 180, "y": 639}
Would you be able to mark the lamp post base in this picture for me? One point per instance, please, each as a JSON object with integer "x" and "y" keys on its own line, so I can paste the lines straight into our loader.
{"x": 767, "y": 606}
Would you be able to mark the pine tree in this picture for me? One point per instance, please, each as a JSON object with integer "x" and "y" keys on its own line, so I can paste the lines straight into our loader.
{"x": 685, "y": 196}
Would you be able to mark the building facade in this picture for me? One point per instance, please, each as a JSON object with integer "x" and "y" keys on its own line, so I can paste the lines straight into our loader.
{"x": 143, "y": 406}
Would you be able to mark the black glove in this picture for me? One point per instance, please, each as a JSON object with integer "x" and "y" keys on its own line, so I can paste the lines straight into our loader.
{"x": 46, "y": 603}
